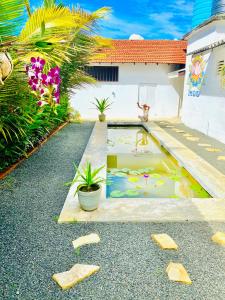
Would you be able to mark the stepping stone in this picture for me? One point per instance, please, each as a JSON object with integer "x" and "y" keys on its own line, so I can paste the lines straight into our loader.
{"x": 194, "y": 139}
{"x": 187, "y": 135}
{"x": 179, "y": 131}
{"x": 164, "y": 241}
{"x": 177, "y": 272}
{"x": 221, "y": 158}
{"x": 92, "y": 238}
{"x": 205, "y": 145}
{"x": 219, "y": 238}
{"x": 213, "y": 150}
{"x": 76, "y": 274}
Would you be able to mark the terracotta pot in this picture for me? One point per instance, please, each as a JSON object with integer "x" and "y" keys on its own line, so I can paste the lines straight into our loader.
{"x": 89, "y": 201}
{"x": 6, "y": 66}
{"x": 102, "y": 117}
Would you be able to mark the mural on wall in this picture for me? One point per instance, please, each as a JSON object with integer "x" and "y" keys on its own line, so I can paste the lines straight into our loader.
{"x": 196, "y": 76}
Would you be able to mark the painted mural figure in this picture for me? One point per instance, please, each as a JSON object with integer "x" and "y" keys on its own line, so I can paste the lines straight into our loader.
{"x": 196, "y": 75}
{"x": 145, "y": 108}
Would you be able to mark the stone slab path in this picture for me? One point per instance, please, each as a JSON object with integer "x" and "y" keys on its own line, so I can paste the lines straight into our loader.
{"x": 208, "y": 148}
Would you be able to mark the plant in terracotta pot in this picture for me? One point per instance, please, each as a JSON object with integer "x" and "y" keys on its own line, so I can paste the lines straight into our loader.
{"x": 89, "y": 188}
{"x": 102, "y": 105}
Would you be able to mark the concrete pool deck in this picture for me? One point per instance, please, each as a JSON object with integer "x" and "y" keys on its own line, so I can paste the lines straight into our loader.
{"x": 150, "y": 210}
{"x": 177, "y": 129}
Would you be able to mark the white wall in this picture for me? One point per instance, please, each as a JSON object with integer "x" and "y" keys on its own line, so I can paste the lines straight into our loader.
{"x": 124, "y": 94}
{"x": 207, "y": 112}
{"x": 211, "y": 33}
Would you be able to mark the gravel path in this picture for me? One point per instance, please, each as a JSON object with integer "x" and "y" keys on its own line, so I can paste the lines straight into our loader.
{"x": 33, "y": 246}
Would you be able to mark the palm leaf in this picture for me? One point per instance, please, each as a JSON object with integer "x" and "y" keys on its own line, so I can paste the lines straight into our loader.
{"x": 58, "y": 22}
{"x": 50, "y": 31}
{"x": 49, "y": 3}
{"x": 96, "y": 171}
{"x": 11, "y": 12}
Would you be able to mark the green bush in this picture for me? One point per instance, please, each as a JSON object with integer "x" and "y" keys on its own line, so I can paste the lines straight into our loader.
{"x": 35, "y": 124}
{"x": 24, "y": 124}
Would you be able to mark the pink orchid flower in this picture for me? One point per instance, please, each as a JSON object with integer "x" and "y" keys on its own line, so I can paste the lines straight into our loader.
{"x": 43, "y": 84}
{"x": 37, "y": 63}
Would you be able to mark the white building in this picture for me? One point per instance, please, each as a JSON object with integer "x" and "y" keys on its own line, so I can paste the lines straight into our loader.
{"x": 132, "y": 71}
{"x": 204, "y": 89}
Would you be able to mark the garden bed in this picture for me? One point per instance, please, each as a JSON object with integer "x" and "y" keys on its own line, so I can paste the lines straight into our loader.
{"x": 8, "y": 170}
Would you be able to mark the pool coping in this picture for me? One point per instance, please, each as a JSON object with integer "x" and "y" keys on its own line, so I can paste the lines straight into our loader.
{"x": 142, "y": 209}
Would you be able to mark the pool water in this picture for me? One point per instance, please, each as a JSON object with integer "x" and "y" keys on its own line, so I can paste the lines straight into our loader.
{"x": 138, "y": 167}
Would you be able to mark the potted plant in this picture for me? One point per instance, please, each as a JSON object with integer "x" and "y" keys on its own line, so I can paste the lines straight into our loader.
{"x": 102, "y": 105}
{"x": 89, "y": 189}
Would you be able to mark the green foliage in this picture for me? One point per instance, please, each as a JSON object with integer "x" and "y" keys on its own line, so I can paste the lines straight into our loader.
{"x": 77, "y": 251}
{"x": 132, "y": 193}
{"x": 73, "y": 74}
{"x": 102, "y": 104}
{"x": 11, "y": 12}
{"x": 87, "y": 177}
{"x": 48, "y": 3}
{"x": 55, "y": 219}
{"x": 222, "y": 74}
{"x": 27, "y": 126}
{"x": 117, "y": 194}
{"x": 61, "y": 35}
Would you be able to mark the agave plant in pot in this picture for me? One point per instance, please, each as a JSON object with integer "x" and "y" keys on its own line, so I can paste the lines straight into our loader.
{"x": 89, "y": 186}
{"x": 102, "y": 105}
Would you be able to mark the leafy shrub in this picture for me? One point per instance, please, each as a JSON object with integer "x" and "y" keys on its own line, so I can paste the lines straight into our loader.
{"x": 34, "y": 129}
{"x": 23, "y": 123}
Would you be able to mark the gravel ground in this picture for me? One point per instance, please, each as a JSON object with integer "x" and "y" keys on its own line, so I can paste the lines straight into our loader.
{"x": 33, "y": 246}
{"x": 211, "y": 157}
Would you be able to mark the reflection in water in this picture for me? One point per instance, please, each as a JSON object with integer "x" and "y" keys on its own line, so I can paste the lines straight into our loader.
{"x": 141, "y": 138}
{"x": 139, "y": 168}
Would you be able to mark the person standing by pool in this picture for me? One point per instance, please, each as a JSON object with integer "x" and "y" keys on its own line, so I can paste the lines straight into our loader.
{"x": 145, "y": 108}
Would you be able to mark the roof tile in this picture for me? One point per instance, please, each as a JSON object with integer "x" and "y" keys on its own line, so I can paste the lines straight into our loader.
{"x": 145, "y": 51}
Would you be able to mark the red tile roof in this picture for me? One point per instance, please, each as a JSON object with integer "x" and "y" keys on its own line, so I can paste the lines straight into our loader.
{"x": 145, "y": 51}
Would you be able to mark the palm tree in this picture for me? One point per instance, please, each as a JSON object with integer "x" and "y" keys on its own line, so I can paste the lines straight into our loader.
{"x": 50, "y": 31}
{"x": 59, "y": 34}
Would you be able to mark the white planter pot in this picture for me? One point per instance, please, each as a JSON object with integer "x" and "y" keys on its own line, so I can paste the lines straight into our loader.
{"x": 89, "y": 200}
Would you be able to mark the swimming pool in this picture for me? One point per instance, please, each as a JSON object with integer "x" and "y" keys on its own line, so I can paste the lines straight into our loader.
{"x": 138, "y": 167}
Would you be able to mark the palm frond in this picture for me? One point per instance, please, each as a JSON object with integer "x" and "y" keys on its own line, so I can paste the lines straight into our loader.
{"x": 28, "y": 8}
{"x": 51, "y": 31}
{"x": 58, "y": 22}
{"x": 88, "y": 20}
{"x": 49, "y": 3}
{"x": 11, "y": 12}
{"x": 11, "y": 102}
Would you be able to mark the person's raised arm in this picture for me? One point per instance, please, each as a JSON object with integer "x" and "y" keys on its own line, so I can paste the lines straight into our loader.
{"x": 138, "y": 104}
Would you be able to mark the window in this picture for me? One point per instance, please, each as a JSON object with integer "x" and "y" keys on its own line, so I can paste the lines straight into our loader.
{"x": 104, "y": 73}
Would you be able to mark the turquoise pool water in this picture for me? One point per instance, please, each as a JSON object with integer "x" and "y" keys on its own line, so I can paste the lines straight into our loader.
{"x": 138, "y": 167}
